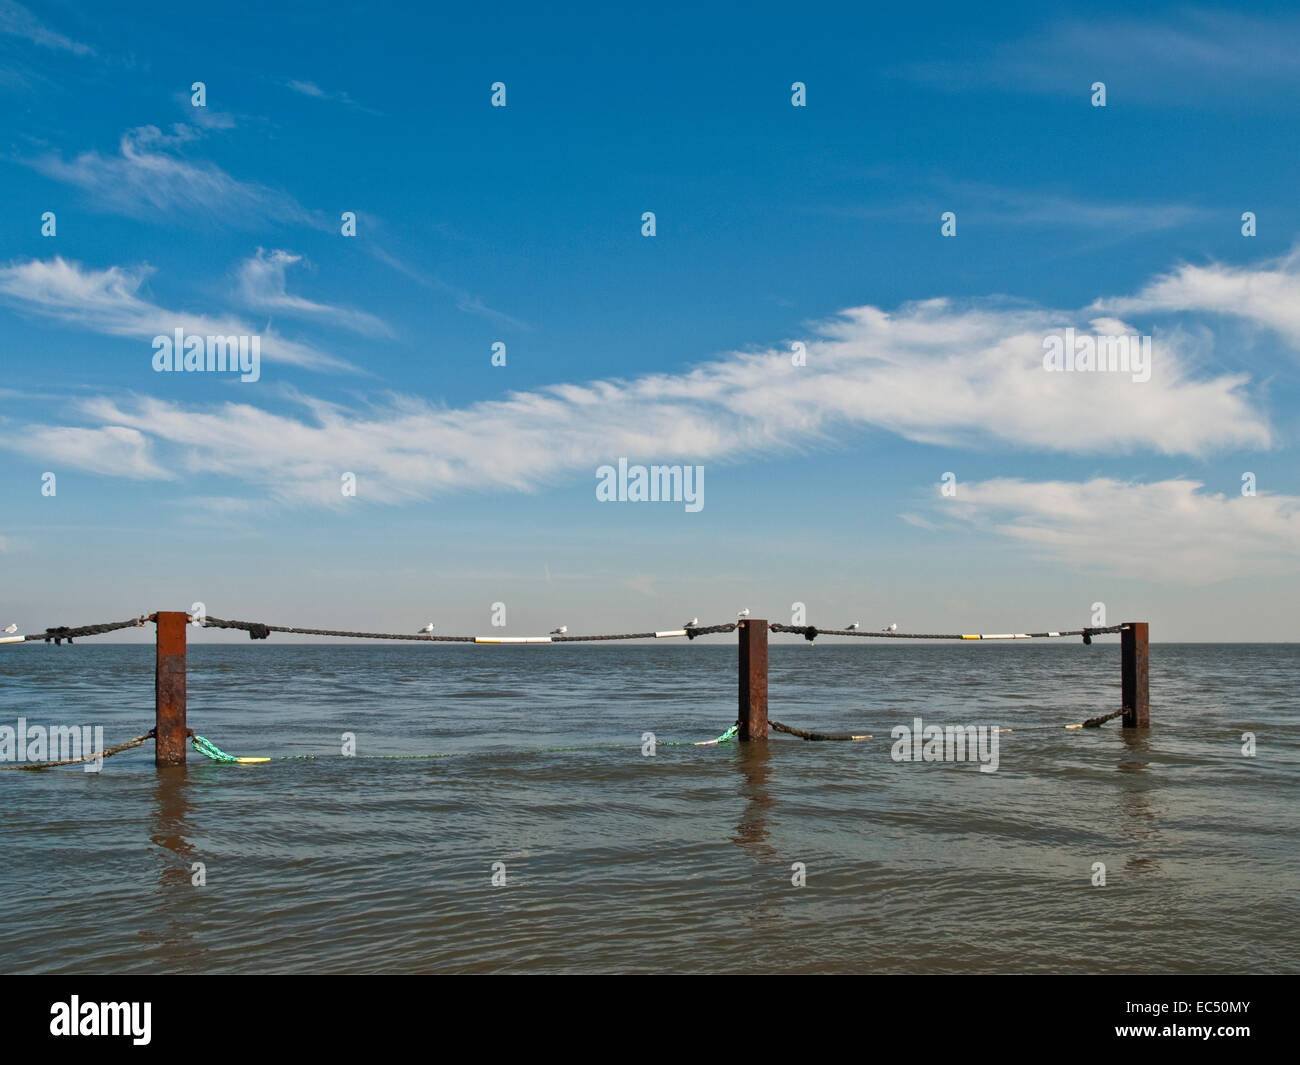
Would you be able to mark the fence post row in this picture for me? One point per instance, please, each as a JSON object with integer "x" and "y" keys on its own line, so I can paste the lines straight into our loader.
{"x": 171, "y": 730}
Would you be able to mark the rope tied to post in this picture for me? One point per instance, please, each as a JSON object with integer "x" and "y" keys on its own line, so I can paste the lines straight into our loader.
{"x": 59, "y": 633}
{"x": 706, "y": 630}
{"x": 107, "y": 753}
{"x": 803, "y": 734}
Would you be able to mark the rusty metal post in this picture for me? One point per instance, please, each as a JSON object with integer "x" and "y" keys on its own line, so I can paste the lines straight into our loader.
{"x": 1134, "y": 696}
{"x": 753, "y": 679}
{"x": 169, "y": 690}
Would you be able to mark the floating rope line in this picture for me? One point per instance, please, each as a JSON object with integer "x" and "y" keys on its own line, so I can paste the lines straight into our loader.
{"x": 108, "y": 753}
{"x": 210, "y": 750}
{"x": 804, "y": 735}
{"x": 1097, "y": 722}
{"x": 1092, "y": 722}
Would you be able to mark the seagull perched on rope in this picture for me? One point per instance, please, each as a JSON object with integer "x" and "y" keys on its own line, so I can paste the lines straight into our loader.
{"x": 891, "y": 627}
{"x": 427, "y": 628}
{"x": 743, "y": 613}
{"x": 692, "y": 623}
{"x": 11, "y": 630}
{"x": 560, "y": 631}
{"x": 851, "y": 628}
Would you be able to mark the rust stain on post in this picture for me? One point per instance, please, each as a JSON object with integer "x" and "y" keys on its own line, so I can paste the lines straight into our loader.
{"x": 1135, "y": 697}
{"x": 753, "y": 679}
{"x": 169, "y": 690}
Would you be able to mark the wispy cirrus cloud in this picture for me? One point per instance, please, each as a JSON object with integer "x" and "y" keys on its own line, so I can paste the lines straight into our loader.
{"x": 18, "y": 21}
{"x": 463, "y": 300}
{"x": 985, "y": 204}
{"x": 261, "y": 285}
{"x": 150, "y": 177}
{"x": 113, "y": 450}
{"x": 311, "y": 89}
{"x": 1188, "y": 536}
{"x": 1192, "y": 58}
{"x": 109, "y": 302}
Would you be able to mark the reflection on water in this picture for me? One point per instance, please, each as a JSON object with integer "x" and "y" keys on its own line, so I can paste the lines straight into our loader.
{"x": 754, "y": 764}
{"x": 678, "y": 862}
{"x": 170, "y": 830}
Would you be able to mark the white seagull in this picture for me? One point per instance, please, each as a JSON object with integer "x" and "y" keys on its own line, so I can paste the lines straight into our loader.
{"x": 892, "y": 627}
{"x": 428, "y": 627}
{"x": 743, "y": 613}
{"x": 692, "y": 623}
{"x": 560, "y": 631}
{"x": 11, "y": 630}
{"x": 851, "y": 628}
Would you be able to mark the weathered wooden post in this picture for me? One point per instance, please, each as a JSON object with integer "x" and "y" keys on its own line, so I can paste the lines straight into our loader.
{"x": 169, "y": 689}
{"x": 753, "y": 679}
{"x": 1134, "y": 696}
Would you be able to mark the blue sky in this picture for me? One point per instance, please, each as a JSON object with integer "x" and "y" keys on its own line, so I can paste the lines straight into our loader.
{"x": 775, "y": 224}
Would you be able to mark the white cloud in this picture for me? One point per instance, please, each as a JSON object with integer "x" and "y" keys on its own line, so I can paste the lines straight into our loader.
{"x": 1168, "y": 531}
{"x": 113, "y": 450}
{"x": 261, "y": 285}
{"x": 929, "y": 372}
{"x": 149, "y": 178}
{"x": 1268, "y": 296}
{"x": 108, "y": 302}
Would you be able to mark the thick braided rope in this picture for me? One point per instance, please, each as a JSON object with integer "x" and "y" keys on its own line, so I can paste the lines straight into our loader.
{"x": 803, "y": 734}
{"x": 258, "y": 631}
{"x": 90, "y": 757}
{"x": 62, "y": 632}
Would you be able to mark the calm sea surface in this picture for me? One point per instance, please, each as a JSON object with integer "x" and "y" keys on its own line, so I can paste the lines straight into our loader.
{"x": 679, "y": 862}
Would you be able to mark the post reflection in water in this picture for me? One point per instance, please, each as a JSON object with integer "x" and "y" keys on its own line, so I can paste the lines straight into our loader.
{"x": 170, "y": 828}
{"x": 167, "y": 927}
{"x": 1136, "y": 787}
{"x": 754, "y": 762}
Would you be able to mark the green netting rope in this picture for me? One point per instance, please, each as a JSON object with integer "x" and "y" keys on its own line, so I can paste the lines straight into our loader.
{"x": 726, "y": 737}
{"x": 211, "y": 750}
